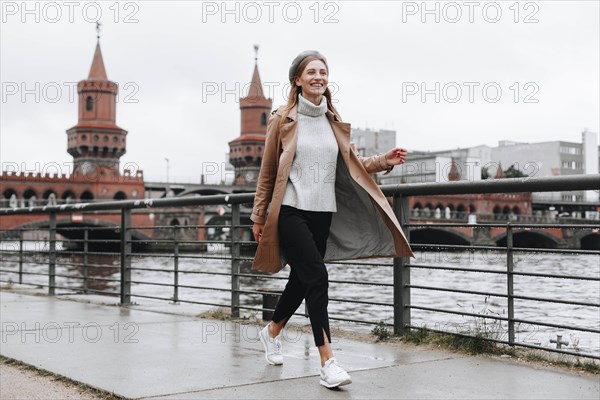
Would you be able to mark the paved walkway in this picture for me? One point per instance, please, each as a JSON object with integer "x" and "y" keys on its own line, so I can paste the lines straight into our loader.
{"x": 142, "y": 354}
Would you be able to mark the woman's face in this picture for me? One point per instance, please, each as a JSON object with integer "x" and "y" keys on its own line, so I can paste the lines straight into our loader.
{"x": 313, "y": 80}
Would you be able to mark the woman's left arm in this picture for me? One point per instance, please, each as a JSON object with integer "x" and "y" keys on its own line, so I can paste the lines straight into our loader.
{"x": 381, "y": 162}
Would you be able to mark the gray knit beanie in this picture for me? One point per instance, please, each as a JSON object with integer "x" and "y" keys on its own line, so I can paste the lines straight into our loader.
{"x": 301, "y": 57}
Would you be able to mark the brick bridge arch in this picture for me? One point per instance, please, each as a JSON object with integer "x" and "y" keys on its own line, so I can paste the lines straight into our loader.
{"x": 438, "y": 236}
{"x": 203, "y": 192}
{"x": 587, "y": 239}
{"x": 530, "y": 238}
{"x": 63, "y": 224}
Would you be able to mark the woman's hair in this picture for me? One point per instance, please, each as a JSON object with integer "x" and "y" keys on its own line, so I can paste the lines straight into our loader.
{"x": 296, "y": 90}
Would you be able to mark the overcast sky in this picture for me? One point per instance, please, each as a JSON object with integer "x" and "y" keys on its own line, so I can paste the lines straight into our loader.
{"x": 182, "y": 66}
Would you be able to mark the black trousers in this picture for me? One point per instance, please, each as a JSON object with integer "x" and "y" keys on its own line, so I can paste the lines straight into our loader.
{"x": 303, "y": 236}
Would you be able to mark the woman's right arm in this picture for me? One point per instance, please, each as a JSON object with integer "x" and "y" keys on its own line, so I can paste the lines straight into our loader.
{"x": 268, "y": 173}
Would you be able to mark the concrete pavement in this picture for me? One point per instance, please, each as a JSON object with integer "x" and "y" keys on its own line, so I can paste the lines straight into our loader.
{"x": 142, "y": 354}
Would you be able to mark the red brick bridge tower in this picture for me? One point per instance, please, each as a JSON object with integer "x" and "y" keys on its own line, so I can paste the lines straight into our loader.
{"x": 96, "y": 142}
{"x": 246, "y": 151}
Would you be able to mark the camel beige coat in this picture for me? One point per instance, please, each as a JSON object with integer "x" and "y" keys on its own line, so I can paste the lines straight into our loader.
{"x": 364, "y": 225}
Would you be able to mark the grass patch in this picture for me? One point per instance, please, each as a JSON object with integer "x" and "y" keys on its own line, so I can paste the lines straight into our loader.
{"x": 561, "y": 360}
{"x": 381, "y": 331}
{"x": 476, "y": 337}
{"x": 221, "y": 313}
{"x": 477, "y": 344}
{"x": 588, "y": 366}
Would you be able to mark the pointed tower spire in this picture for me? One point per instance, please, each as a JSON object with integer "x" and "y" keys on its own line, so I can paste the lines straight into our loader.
{"x": 97, "y": 71}
{"x": 499, "y": 172}
{"x": 256, "y": 85}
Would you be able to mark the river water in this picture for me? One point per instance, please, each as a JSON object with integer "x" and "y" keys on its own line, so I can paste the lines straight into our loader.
{"x": 548, "y": 312}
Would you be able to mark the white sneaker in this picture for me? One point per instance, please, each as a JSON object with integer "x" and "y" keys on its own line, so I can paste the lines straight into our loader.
{"x": 332, "y": 375}
{"x": 272, "y": 347}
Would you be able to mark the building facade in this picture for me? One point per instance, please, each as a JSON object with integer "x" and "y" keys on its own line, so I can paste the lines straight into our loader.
{"x": 554, "y": 158}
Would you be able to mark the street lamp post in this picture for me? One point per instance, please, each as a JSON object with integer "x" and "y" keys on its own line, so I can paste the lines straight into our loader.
{"x": 167, "y": 189}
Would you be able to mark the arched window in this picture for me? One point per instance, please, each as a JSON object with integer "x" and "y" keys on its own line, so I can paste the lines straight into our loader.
{"x": 31, "y": 197}
{"x": 120, "y": 196}
{"x": 50, "y": 197}
{"x": 263, "y": 119}
{"x": 427, "y": 210}
{"x": 87, "y": 195}
{"x": 416, "y": 211}
{"x": 9, "y": 198}
{"x": 89, "y": 102}
{"x": 68, "y": 196}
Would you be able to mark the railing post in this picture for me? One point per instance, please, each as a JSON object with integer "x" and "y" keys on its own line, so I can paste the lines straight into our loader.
{"x": 509, "y": 284}
{"x": 125, "y": 256}
{"x": 85, "y": 259}
{"x": 175, "y": 264}
{"x": 52, "y": 256}
{"x": 235, "y": 262}
{"x": 402, "y": 271}
{"x": 20, "y": 256}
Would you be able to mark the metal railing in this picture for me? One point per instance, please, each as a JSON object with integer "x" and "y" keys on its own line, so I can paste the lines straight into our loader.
{"x": 234, "y": 256}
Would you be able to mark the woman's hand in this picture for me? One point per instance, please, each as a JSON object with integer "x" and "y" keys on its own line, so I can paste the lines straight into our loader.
{"x": 257, "y": 230}
{"x": 395, "y": 156}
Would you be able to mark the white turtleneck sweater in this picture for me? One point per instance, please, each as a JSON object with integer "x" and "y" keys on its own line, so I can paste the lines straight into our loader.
{"x": 311, "y": 185}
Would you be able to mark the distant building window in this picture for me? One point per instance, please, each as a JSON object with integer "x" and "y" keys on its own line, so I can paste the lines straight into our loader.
{"x": 572, "y": 165}
{"x": 572, "y": 197}
{"x": 263, "y": 119}
{"x": 89, "y": 102}
{"x": 570, "y": 150}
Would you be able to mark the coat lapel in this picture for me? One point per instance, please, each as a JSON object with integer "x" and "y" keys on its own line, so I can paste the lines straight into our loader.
{"x": 288, "y": 132}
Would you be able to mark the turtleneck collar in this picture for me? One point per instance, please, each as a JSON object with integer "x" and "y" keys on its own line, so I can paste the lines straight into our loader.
{"x": 306, "y": 107}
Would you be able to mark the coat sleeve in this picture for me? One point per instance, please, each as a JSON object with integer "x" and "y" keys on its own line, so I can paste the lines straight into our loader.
{"x": 268, "y": 172}
{"x": 372, "y": 164}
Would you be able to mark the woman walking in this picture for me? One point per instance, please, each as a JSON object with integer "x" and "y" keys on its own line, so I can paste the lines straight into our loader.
{"x": 322, "y": 205}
